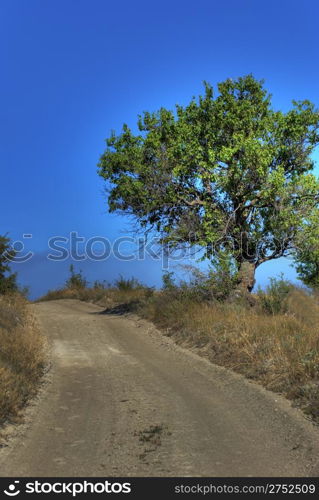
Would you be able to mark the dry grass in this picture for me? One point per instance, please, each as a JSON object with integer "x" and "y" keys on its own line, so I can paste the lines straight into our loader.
{"x": 108, "y": 297}
{"x": 21, "y": 355}
{"x": 280, "y": 350}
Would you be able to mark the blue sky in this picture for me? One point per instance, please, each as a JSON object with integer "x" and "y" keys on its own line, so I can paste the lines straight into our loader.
{"x": 72, "y": 70}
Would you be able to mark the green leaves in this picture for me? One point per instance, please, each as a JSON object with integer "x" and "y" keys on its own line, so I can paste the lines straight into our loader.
{"x": 222, "y": 167}
{"x": 307, "y": 250}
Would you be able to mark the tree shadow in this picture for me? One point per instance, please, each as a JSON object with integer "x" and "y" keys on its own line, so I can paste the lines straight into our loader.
{"x": 120, "y": 309}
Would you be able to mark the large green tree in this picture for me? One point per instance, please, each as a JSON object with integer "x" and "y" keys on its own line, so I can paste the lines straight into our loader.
{"x": 225, "y": 172}
{"x": 307, "y": 251}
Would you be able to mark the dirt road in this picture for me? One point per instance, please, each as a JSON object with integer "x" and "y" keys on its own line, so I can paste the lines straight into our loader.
{"x": 122, "y": 400}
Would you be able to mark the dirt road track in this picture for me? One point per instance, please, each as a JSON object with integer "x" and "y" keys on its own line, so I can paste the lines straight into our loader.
{"x": 122, "y": 400}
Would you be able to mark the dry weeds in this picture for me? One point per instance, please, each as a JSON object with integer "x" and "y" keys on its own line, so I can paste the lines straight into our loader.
{"x": 21, "y": 355}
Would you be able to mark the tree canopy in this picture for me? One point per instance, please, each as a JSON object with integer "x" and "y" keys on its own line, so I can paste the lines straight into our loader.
{"x": 307, "y": 251}
{"x": 226, "y": 172}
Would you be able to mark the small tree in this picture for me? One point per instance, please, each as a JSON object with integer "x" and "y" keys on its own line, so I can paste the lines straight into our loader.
{"x": 168, "y": 281}
{"x": 226, "y": 173}
{"x": 8, "y": 281}
{"x": 75, "y": 280}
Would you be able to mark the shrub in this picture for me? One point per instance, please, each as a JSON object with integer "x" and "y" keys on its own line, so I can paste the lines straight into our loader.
{"x": 216, "y": 285}
{"x": 76, "y": 280}
{"x": 8, "y": 282}
{"x": 124, "y": 284}
{"x": 274, "y": 299}
{"x": 168, "y": 281}
{"x": 100, "y": 285}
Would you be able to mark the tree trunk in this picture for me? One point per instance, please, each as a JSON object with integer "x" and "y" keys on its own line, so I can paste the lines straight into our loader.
{"x": 246, "y": 277}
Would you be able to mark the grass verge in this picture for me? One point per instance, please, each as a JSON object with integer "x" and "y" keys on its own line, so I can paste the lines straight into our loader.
{"x": 21, "y": 355}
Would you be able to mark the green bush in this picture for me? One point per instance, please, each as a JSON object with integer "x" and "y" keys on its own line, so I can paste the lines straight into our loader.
{"x": 168, "y": 281}
{"x": 100, "y": 285}
{"x": 126, "y": 284}
{"x": 216, "y": 285}
{"x": 76, "y": 281}
{"x": 274, "y": 299}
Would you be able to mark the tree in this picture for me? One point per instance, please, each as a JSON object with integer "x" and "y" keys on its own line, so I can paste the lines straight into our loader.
{"x": 75, "y": 280}
{"x": 226, "y": 173}
{"x": 307, "y": 252}
{"x": 8, "y": 282}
